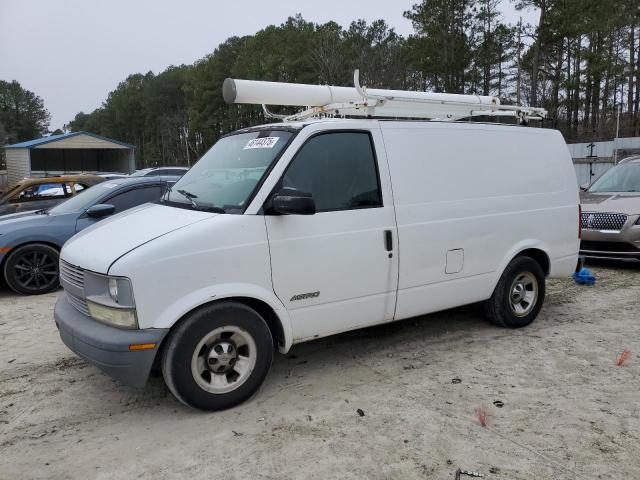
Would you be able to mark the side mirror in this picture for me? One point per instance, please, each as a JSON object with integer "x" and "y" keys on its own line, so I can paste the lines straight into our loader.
{"x": 584, "y": 186}
{"x": 101, "y": 210}
{"x": 289, "y": 201}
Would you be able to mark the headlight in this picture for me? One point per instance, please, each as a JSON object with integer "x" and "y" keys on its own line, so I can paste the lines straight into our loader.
{"x": 118, "y": 317}
{"x": 110, "y": 300}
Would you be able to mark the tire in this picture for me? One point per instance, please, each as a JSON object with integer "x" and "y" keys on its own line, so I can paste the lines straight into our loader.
{"x": 519, "y": 294}
{"x": 202, "y": 357}
{"x": 32, "y": 269}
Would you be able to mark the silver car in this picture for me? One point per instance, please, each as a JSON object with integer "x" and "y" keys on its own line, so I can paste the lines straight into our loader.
{"x": 611, "y": 213}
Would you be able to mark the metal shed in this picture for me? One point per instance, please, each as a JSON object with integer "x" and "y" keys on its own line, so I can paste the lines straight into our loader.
{"x": 74, "y": 152}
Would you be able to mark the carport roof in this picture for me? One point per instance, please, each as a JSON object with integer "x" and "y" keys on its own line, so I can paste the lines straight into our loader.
{"x": 54, "y": 138}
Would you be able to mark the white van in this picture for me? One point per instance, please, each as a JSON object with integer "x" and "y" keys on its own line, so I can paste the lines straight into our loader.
{"x": 289, "y": 232}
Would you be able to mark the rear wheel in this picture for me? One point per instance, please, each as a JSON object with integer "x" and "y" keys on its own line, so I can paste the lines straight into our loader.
{"x": 32, "y": 269}
{"x": 218, "y": 356}
{"x": 519, "y": 295}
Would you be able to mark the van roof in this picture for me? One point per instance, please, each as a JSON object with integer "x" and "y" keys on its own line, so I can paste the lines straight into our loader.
{"x": 298, "y": 125}
{"x": 631, "y": 159}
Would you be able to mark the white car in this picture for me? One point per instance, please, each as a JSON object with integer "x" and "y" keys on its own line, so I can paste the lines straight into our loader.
{"x": 289, "y": 232}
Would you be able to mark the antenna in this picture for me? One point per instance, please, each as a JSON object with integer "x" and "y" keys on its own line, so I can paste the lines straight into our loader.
{"x": 360, "y": 101}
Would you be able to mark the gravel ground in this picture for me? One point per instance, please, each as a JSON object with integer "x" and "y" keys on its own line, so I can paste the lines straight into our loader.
{"x": 558, "y": 406}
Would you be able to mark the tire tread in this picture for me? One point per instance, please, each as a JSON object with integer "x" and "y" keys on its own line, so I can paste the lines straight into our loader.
{"x": 496, "y": 309}
{"x": 181, "y": 332}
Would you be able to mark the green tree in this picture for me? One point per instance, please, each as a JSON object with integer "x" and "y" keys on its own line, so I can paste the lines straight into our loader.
{"x": 439, "y": 49}
{"x": 580, "y": 62}
{"x": 22, "y": 113}
{"x": 492, "y": 44}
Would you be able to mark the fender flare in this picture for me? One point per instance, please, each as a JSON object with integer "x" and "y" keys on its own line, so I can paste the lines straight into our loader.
{"x": 176, "y": 311}
{"x": 26, "y": 240}
{"x": 515, "y": 251}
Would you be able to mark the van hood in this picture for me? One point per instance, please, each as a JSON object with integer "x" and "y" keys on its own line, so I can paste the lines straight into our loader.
{"x": 99, "y": 246}
{"x": 624, "y": 202}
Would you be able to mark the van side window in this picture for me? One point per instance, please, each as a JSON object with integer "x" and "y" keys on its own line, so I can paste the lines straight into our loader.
{"x": 338, "y": 169}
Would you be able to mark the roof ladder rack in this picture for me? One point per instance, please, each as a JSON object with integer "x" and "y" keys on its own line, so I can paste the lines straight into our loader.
{"x": 359, "y": 101}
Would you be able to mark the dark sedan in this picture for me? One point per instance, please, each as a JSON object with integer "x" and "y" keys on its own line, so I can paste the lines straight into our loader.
{"x": 30, "y": 242}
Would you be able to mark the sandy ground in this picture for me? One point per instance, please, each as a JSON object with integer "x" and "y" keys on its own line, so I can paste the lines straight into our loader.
{"x": 567, "y": 411}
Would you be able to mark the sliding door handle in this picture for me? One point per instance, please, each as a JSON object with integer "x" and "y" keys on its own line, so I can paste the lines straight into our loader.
{"x": 388, "y": 240}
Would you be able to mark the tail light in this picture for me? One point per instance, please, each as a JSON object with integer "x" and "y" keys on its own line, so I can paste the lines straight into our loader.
{"x": 579, "y": 222}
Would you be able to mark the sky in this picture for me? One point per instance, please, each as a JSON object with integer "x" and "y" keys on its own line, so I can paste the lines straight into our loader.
{"x": 72, "y": 53}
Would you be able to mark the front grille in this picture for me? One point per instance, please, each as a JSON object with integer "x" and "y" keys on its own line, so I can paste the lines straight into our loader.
{"x": 71, "y": 274}
{"x": 74, "y": 277}
{"x": 603, "y": 221}
{"x": 79, "y": 303}
{"x": 617, "y": 247}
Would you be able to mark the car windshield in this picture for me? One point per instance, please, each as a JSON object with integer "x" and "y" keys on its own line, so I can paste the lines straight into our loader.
{"x": 225, "y": 177}
{"x": 141, "y": 173}
{"x": 84, "y": 199}
{"x": 621, "y": 178}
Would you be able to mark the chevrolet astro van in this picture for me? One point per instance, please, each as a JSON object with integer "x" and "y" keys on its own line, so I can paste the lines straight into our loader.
{"x": 293, "y": 231}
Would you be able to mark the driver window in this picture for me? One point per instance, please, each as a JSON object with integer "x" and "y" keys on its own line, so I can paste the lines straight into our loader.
{"x": 338, "y": 169}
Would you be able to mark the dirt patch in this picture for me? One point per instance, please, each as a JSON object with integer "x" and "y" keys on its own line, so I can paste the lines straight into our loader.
{"x": 556, "y": 404}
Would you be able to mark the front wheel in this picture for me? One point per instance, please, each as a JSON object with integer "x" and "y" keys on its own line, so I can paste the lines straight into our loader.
{"x": 218, "y": 356}
{"x": 32, "y": 269}
{"x": 519, "y": 295}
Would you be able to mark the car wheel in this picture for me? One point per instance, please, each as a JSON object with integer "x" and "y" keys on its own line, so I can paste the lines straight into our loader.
{"x": 519, "y": 295}
{"x": 32, "y": 269}
{"x": 218, "y": 356}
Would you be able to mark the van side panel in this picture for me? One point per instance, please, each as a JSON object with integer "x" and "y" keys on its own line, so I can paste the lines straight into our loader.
{"x": 490, "y": 191}
{"x": 223, "y": 256}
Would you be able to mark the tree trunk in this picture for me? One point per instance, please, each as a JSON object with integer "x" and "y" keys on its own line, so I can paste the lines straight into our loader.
{"x": 589, "y": 82}
{"x": 535, "y": 62}
{"x": 636, "y": 101}
{"x": 577, "y": 72}
{"x": 519, "y": 74}
{"x": 569, "y": 101}
{"x": 632, "y": 64}
{"x": 607, "y": 77}
{"x": 555, "y": 95}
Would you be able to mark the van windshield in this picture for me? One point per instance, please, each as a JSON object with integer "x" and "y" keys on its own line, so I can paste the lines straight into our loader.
{"x": 226, "y": 176}
{"x": 622, "y": 178}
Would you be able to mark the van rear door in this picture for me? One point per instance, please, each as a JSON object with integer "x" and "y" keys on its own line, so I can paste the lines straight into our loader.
{"x": 337, "y": 269}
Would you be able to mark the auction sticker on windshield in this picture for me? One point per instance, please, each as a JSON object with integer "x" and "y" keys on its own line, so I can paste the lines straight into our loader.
{"x": 264, "y": 142}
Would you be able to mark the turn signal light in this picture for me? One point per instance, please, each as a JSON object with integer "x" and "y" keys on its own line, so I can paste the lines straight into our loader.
{"x": 142, "y": 346}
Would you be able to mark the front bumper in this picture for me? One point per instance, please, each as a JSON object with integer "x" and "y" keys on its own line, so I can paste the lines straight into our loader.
{"x": 612, "y": 244}
{"x": 607, "y": 255}
{"x": 107, "y": 347}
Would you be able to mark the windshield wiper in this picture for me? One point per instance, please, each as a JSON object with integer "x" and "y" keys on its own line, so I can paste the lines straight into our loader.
{"x": 190, "y": 196}
{"x": 198, "y": 206}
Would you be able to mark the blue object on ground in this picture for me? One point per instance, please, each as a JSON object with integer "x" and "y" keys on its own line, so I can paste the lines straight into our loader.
{"x": 584, "y": 277}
